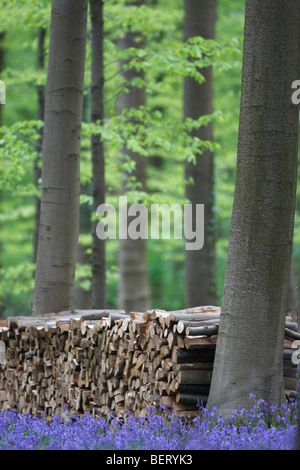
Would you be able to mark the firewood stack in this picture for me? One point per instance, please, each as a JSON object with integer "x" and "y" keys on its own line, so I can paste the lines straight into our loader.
{"x": 108, "y": 363}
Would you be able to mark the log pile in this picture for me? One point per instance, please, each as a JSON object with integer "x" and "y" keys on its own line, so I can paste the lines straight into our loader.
{"x": 290, "y": 357}
{"x": 108, "y": 363}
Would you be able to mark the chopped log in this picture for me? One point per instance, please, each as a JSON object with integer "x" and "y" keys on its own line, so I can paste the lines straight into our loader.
{"x": 191, "y": 399}
{"x": 183, "y": 324}
{"x": 194, "y": 376}
{"x": 290, "y": 383}
{"x": 177, "y": 407}
{"x": 180, "y": 356}
{"x": 287, "y": 354}
{"x": 84, "y": 314}
{"x": 192, "y": 388}
{"x": 167, "y": 401}
{"x": 198, "y": 342}
{"x": 291, "y": 334}
{"x": 202, "y": 330}
{"x": 288, "y": 343}
{"x": 113, "y": 317}
{"x": 11, "y": 323}
{"x": 180, "y": 342}
{"x": 290, "y": 394}
{"x": 193, "y": 366}
{"x": 197, "y": 310}
{"x": 177, "y": 317}
{"x": 290, "y": 370}
{"x": 291, "y": 325}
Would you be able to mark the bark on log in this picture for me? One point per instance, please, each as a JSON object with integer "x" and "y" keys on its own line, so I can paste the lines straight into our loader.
{"x": 191, "y": 399}
{"x": 180, "y": 356}
{"x": 291, "y": 334}
{"x": 198, "y": 342}
{"x": 202, "y": 330}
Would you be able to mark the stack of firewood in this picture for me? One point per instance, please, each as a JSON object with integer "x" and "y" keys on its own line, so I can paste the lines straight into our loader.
{"x": 291, "y": 355}
{"x": 109, "y": 363}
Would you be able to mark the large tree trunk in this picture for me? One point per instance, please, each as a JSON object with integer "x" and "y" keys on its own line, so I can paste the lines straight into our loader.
{"x": 59, "y": 220}
{"x": 249, "y": 351}
{"x": 39, "y": 142}
{"x": 134, "y": 292}
{"x": 98, "y": 162}
{"x": 200, "y": 283}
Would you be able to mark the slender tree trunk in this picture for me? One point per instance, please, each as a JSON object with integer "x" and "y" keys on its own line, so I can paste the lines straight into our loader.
{"x": 292, "y": 308}
{"x": 82, "y": 296}
{"x": 2, "y": 298}
{"x": 134, "y": 293}
{"x": 98, "y": 161}
{"x": 39, "y": 142}
{"x": 249, "y": 353}
{"x": 59, "y": 220}
{"x": 200, "y": 283}
{"x": 2, "y": 36}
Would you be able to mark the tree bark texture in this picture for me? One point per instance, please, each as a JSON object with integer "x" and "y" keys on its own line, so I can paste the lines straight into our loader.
{"x": 2, "y": 36}
{"x": 82, "y": 296}
{"x": 98, "y": 160}
{"x": 59, "y": 220}
{"x": 39, "y": 142}
{"x": 258, "y": 264}
{"x": 134, "y": 292}
{"x": 200, "y": 282}
{"x": 292, "y": 308}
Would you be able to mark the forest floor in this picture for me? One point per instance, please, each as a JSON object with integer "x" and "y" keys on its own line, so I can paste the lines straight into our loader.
{"x": 263, "y": 428}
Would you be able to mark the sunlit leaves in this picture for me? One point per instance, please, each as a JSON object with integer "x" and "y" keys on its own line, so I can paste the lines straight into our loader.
{"x": 17, "y": 144}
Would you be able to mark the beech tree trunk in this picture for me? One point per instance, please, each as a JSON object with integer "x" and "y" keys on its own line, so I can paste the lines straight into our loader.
{"x": 39, "y": 142}
{"x": 98, "y": 161}
{"x": 59, "y": 220}
{"x": 258, "y": 264}
{"x": 200, "y": 282}
{"x": 134, "y": 293}
{"x": 82, "y": 296}
{"x": 2, "y": 35}
{"x": 292, "y": 308}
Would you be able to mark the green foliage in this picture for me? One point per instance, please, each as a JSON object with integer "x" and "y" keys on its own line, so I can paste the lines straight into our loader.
{"x": 156, "y": 130}
{"x": 17, "y": 155}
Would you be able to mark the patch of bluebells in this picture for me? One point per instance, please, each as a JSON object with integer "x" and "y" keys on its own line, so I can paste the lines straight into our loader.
{"x": 266, "y": 428}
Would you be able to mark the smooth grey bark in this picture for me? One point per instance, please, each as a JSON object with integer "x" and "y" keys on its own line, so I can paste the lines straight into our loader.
{"x": 83, "y": 297}
{"x": 2, "y": 36}
{"x": 200, "y": 265}
{"x": 39, "y": 142}
{"x": 59, "y": 220}
{"x": 292, "y": 308}
{"x": 133, "y": 289}
{"x": 249, "y": 352}
{"x": 98, "y": 159}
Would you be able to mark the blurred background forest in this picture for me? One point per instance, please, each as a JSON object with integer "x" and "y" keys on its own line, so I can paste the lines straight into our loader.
{"x": 161, "y": 22}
